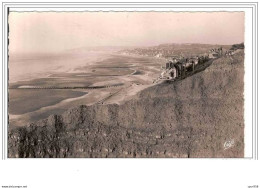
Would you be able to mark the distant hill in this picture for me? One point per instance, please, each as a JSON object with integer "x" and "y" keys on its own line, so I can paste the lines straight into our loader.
{"x": 237, "y": 46}
{"x": 173, "y": 49}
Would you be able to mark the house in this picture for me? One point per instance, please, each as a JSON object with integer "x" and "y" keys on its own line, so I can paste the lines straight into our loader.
{"x": 170, "y": 73}
{"x": 213, "y": 55}
{"x": 229, "y": 52}
{"x": 159, "y": 55}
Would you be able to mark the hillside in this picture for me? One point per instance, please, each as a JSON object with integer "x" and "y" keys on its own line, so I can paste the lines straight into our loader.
{"x": 173, "y": 49}
{"x": 200, "y": 116}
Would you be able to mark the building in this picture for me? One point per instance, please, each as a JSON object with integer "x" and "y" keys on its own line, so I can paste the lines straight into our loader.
{"x": 213, "y": 55}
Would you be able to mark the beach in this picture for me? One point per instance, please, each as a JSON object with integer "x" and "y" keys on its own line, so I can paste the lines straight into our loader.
{"x": 63, "y": 81}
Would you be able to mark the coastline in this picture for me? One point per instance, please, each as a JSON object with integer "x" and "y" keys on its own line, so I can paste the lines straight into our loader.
{"x": 131, "y": 85}
{"x": 181, "y": 119}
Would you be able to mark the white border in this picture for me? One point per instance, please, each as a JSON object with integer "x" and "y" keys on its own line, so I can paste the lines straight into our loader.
{"x": 248, "y": 55}
{"x": 135, "y": 172}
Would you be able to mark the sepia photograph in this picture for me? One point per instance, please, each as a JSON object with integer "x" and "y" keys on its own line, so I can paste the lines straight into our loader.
{"x": 149, "y": 84}
{"x": 129, "y": 94}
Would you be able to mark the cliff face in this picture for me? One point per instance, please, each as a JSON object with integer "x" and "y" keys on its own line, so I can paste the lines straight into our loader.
{"x": 200, "y": 116}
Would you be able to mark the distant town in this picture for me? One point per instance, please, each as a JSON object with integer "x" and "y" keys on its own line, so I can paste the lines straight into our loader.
{"x": 184, "y": 64}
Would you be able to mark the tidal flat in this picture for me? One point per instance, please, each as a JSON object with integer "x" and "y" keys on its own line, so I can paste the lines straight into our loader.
{"x": 108, "y": 78}
{"x": 28, "y": 100}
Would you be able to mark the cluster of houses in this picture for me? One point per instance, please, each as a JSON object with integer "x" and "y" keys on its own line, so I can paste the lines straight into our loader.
{"x": 215, "y": 52}
{"x": 178, "y": 67}
{"x": 235, "y": 48}
{"x": 229, "y": 52}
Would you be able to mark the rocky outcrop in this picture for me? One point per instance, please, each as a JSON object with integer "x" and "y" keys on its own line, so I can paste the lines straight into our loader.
{"x": 200, "y": 116}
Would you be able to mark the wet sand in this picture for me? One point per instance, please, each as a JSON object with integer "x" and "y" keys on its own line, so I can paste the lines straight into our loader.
{"x": 118, "y": 78}
{"x": 28, "y": 100}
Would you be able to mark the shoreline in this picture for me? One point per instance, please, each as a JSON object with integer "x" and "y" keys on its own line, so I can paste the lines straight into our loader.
{"x": 126, "y": 87}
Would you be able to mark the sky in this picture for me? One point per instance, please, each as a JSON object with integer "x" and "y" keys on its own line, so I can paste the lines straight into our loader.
{"x": 58, "y": 31}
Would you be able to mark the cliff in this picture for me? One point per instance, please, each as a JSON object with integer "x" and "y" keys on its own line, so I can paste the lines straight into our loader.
{"x": 200, "y": 116}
